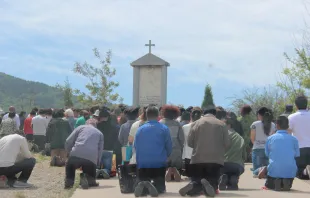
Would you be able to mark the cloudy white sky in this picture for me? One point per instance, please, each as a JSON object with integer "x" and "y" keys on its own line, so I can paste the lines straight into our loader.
{"x": 243, "y": 41}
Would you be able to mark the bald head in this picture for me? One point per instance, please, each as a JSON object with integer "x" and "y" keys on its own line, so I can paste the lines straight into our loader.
{"x": 12, "y": 109}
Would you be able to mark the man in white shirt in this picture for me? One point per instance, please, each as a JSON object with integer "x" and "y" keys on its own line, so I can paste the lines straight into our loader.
{"x": 300, "y": 128}
{"x": 15, "y": 158}
{"x": 39, "y": 126}
{"x": 16, "y": 118}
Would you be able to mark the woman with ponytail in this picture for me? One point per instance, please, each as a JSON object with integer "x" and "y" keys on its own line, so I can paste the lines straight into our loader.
{"x": 187, "y": 151}
{"x": 260, "y": 131}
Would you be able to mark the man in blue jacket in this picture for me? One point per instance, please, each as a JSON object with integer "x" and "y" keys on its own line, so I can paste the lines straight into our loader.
{"x": 281, "y": 149}
{"x": 153, "y": 146}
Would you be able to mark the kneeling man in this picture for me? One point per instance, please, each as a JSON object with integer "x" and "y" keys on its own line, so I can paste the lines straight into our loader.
{"x": 15, "y": 158}
{"x": 281, "y": 149}
{"x": 153, "y": 147}
{"x": 233, "y": 164}
{"x": 85, "y": 145}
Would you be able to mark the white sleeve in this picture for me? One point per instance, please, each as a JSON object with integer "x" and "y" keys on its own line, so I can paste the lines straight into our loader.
{"x": 17, "y": 120}
{"x": 25, "y": 152}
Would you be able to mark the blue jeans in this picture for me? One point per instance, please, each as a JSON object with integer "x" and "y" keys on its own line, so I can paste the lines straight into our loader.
{"x": 106, "y": 160}
{"x": 259, "y": 158}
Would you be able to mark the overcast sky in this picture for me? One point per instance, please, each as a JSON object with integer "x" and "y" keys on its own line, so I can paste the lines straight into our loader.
{"x": 230, "y": 44}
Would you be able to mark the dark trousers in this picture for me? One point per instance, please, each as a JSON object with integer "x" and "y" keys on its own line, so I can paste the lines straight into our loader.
{"x": 24, "y": 167}
{"x": 186, "y": 165}
{"x": 302, "y": 161}
{"x": 232, "y": 169}
{"x": 73, "y": 163}
{"x": 39, "y": 140}
{"x": 29, "y": 137}
{"x": 208, "y": 171}
{"x": 155, "y": 175}
{"x": 270, "y": 182}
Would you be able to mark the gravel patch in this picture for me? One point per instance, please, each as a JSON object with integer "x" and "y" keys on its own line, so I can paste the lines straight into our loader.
{"x": 48, "y": 182}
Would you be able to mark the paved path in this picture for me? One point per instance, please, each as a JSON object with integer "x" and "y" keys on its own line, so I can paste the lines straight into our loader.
{"x": 249, "y": 187}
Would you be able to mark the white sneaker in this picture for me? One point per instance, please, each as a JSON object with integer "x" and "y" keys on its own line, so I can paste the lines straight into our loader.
{"x": 308, "y": 170}
{"x": 19, "y": 184}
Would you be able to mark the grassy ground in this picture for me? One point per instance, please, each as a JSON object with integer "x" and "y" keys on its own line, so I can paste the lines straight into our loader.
{"x": 48, "y": 182}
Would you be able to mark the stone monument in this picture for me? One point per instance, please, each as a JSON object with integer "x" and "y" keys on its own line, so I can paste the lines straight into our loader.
{"x": 149, "y": 79}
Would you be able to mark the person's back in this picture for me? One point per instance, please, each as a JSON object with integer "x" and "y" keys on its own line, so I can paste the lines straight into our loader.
{"x": 260, "y": 136}
{"x": 27, "y": 125}
{"x": 209, "y": 139}
{"x": 300, "y": 125}
{"x": 176, "y": 134}
{"x": 84, "y": 143}
{"x": 282, "y": 149}
{"x": 11, "y": 148}
{"x": 151, "y": 145}
{"x": 235, "y": 153}
{"x": 39, "y": 125}
{"x": 8, "y": 127}
{"x": 187, "y": 151}
{"x": 58, "y": 131}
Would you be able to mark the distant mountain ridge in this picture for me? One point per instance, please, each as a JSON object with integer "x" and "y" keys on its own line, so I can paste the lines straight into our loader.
{"x": 24, "y": 95}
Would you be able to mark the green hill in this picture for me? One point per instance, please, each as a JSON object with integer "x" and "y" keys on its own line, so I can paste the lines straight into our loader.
{"x": 25, "y": 94}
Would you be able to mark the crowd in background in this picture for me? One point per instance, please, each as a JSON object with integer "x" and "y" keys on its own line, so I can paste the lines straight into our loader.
{"x": 209, "y": 145}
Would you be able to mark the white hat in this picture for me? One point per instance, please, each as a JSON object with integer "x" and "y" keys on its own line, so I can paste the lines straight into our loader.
{"x": 97, "y": 112}
{"x": 69, "y": 113}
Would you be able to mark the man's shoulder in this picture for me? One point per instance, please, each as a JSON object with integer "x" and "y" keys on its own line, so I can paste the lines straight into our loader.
{"x": 187, "y": 126}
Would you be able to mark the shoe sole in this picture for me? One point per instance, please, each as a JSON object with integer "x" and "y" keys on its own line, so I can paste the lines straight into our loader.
{"x": 286, "y": 184}
{"x": 209, "y": 190}
{"x": 308, "y": 170}
{"x": 262, "y": 173}
{"x": 277, "y": 185}
{"x": 223, "y": 182}
{"x": 177, "y": 175}
{"x": 234, "y": 183}
{"x": 168, "y": 175}
{"x": 183, "y": 191}
{"x": 151, "y": 188}
{"x": 105, "y": 175}
{"x": 139, "y": 189}
{"x": 84, "y": 182}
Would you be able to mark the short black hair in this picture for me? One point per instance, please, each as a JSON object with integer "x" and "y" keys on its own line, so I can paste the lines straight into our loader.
{"x": 42, "y": 111}
{"x": 186, "y": 116}
{"x": 282, "y": 122}
{"x": 49, "y": 111}
{"x": 33, "y": 113}
{"x": 152, "y": 112}
{"x": 132, "y": 113}
{"x": 301, "y": 102}
{"x": 210, "y": 110}
{"x": 59, "y": 113}
{"x": 289, "y": 108}
{"x": 35, "y": 109}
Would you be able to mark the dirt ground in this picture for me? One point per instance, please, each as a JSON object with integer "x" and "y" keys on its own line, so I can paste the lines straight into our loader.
{"x": 48, "y": 182}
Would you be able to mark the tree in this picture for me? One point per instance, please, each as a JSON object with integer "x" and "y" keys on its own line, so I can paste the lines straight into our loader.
{"x": 208, "y": 97}
{"x": 100, "y": 86}
{"x": 271, "y": 97}
{"x": 67, "y": 93}
{"x": 295, "y": 80}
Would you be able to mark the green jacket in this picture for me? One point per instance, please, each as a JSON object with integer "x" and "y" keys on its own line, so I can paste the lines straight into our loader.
{"x": 58, "y": 130}
{"x": 235, "y": 153}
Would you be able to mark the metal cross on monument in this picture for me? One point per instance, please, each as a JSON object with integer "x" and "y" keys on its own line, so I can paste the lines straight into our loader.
{"x": 150, "y": 45}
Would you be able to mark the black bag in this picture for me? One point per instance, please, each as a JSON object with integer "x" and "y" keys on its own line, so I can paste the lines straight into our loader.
{"x": 127, "y": 176}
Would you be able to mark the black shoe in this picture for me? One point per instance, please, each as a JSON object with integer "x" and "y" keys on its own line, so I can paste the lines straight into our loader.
{"x": 92, "y": 182}
{"x": 139, "y": 189}
{"x": 277, "y": 184}
{"x": 84, "y": 181}
{"x": 183, "y": 191}
{"x": 151, "y": 188}
{"x": 68, "y": 184}
{"x": 223, "y": 182}
{"x": 233, "y": 180}
{"x": 286, "y": 184}
{"x": 53, "y": 161}
{"x": 207, "y": 188}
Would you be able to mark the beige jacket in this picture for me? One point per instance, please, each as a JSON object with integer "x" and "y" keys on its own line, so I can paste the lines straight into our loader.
{"x": 209, "y": 139}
